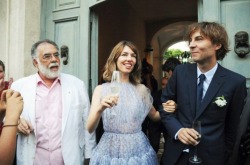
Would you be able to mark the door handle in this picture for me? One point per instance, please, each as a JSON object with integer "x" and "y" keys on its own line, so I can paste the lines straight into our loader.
{"x": 65, "y": 54}
{"x": 241, "y": 46}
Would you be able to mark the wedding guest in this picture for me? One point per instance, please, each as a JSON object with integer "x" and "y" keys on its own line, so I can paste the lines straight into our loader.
{"x": 156, "y": 128}
{"x": 218, "y": 104}
{"x": 169, "y": 66}
{"x": 11, "y": 106}
{"x": 123, "y": 141}
{"x": 148, "y": 79}
{"x": 3, "y": 85}
{"x": 52, "y": 127}
{"x": 241, "y": 152}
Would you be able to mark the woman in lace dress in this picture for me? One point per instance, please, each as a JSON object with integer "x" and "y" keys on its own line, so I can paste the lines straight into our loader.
{"x": 123, "y": 142}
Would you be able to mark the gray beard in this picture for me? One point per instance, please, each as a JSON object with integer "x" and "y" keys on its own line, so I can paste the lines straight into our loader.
{"x": 47, "y": 72}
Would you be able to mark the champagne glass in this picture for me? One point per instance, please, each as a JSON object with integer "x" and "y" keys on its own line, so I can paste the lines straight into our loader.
{"x": 115, "y": 85}
{"x": 196, "y": 126}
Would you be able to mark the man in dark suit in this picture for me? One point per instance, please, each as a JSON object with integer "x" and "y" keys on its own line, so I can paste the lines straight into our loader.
{"x": 241, "y": 151}
{"x": 223, "y": 93}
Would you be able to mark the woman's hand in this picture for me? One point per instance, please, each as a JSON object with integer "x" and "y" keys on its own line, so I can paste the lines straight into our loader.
{"x": 14, "y": 104}
{"x": 98, "y": 105}
{"x": 109, "y": 101}
{"x": 12, "y": 101}
{"x": 3, "y": 102}
{"x": 169, "y": 106}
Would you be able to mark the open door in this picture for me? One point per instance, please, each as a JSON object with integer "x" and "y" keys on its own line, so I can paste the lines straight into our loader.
{"x": 235, "y": 16}
{"x": 67, "y": 23}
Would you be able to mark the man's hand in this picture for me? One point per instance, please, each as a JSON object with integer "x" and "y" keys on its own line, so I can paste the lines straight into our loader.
{"x": 188, "y": 136}
{"x": 24, "y": 127}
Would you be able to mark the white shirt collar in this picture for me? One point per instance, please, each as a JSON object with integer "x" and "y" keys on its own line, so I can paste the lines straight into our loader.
{"x": 209, "y": 74}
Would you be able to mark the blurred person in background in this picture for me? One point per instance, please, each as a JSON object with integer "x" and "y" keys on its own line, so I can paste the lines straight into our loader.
{"x": 148, "y": 79}
{"x": 3, "y": 85}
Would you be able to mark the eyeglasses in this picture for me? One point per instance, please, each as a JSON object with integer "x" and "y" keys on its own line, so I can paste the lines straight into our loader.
{"x": 49, "y": 56}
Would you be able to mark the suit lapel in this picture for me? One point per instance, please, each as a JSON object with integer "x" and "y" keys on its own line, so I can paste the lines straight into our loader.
{"x": 66, "y": 96}
{"x": 213, "y": 88}
{"x": 32, "y": 99}
{"x": 192, "y": 88}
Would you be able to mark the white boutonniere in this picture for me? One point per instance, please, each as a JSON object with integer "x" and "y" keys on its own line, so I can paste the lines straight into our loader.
{"x": 220, "y": 101}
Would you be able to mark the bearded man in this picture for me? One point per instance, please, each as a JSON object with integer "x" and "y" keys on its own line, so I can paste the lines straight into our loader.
{"x": 56, "y": 105}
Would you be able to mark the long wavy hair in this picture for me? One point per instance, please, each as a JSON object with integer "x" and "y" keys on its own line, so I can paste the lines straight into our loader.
{"x": 215, "y": 32}
{"x": 111, "y": 64}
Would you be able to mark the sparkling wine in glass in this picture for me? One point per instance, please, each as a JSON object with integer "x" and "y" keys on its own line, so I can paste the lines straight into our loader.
{"x": 115, "y": 90}
{"x": 115, "y": 85}
{"x": 196, "y": 126}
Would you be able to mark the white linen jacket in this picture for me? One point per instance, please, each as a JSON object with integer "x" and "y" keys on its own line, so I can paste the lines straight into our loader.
{"x": 76, "y": 142}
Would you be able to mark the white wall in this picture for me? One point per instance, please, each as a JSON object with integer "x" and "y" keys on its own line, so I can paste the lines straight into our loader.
{"x": 20, "y": 28}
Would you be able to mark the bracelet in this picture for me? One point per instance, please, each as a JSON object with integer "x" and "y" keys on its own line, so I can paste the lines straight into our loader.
{"x": 10, "y": 125}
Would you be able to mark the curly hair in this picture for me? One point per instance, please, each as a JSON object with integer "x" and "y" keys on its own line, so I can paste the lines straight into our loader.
{"x": 215, "y": 32}
{"x": 111, "y": 64}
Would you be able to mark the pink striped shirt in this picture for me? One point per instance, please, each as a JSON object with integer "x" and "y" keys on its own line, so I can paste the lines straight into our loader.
{"x": 48, "y": 123}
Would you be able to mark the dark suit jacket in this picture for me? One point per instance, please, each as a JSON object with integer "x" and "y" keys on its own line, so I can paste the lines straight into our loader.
{"x": 244, "y": 123}
{"x": 219, "y": 124}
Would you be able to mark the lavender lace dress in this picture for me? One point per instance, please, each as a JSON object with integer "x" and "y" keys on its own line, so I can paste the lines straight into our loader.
{"x": 123, "y": 142}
